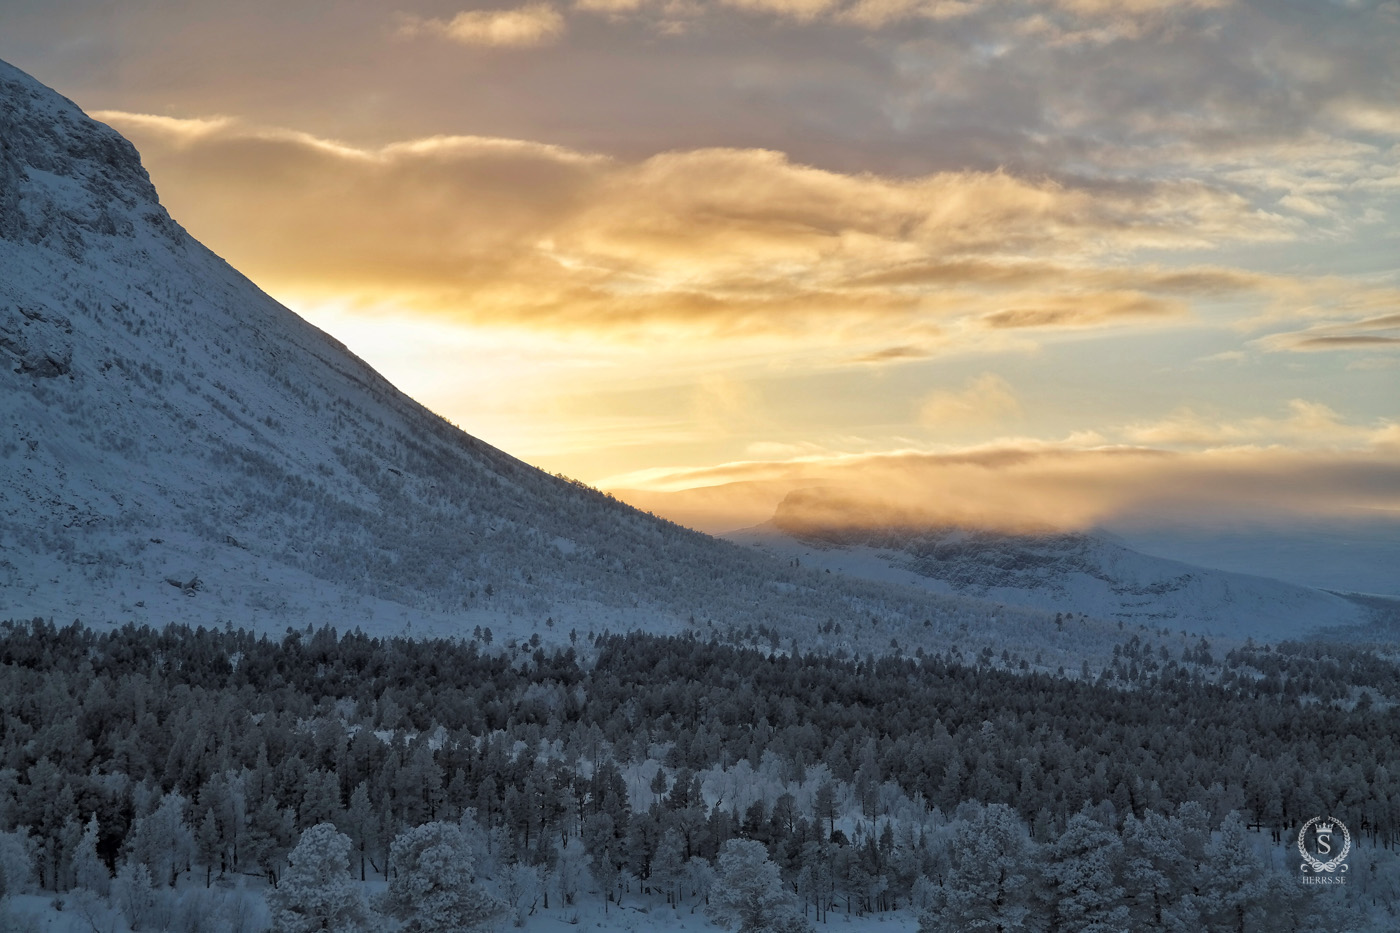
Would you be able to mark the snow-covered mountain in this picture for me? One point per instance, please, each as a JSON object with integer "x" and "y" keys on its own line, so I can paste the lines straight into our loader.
{"x": 177, "y": 446}
{"x": 1062, "y": 572}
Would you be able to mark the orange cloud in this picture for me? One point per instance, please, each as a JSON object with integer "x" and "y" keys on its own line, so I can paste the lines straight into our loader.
{"x": 530, "y": 25}
{"x": 986, "y": 399}
{"x": 1037, "y": 486}
{"x": 1128, "y": 16}
{"x": 1307, "y": 424}
{"x": 1083, "y": 310}
{"x": 720, "y": 240}
{"x": 1310, "y": 460}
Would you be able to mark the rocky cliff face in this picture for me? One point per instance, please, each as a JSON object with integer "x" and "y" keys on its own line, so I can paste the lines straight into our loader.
{"x": 66, "y": 181}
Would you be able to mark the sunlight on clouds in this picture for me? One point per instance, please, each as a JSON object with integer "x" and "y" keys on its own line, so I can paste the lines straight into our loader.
{"x": 550, "y": 401}
{"x": 1123, "y": 17}
{"x": 1310, "y": 460}
{"x": 565, "y": 274}
{"x": 178, "y": 130}
{"x": 876, "y": 14}
{"x": 610, "y": 6}
{"x": 1119, "y": 7}
{"x": 1084, "y": 310}
{"x": 1309, "y": 424}
{"x": 1381, "y": 332}
{"x": 1369, "y": 116}
{"x": 985, "y": 400}
{"x": 718, "y": 241}
{"x": 796, "y": 9}
{"x": 1030, "y": 485}
{"x": 530, "y": 25}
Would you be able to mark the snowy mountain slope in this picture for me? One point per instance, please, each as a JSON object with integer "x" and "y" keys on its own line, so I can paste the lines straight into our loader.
{"x": 1060, "y": 572}
{"x": 179, "y": 447}
{"x": 1358, "y": 553}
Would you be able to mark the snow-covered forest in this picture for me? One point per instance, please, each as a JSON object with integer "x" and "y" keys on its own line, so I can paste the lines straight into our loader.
{"x": 194, "y": 779}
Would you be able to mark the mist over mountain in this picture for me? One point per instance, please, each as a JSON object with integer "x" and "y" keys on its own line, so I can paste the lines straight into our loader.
{"x": 1055, "y": 570}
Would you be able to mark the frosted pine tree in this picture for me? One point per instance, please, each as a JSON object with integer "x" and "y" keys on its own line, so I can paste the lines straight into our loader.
{"x": 162, "y": 841}
{"x": 135, "y": 894}
{"x": 668, "y": 864}
{"x": 316, "y": 891}
{"x": 988, "y": 887}
{"x": 1157, "y": 874}
{"x": 748, "y": 894}
{"x": 89, "y": 871}
{"x": 16, "y": 860}
{"x": 432, "y": 888}
{"x": 1084, "y": 893}
{"x": 570, "y": 871}
{"x": 1234, "y": 878}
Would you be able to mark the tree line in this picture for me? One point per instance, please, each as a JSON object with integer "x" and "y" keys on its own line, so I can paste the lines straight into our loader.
{"x": 626, "y": 764}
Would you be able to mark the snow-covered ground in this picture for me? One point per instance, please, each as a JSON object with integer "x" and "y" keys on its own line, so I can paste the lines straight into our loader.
{"x": 66, "y": 914}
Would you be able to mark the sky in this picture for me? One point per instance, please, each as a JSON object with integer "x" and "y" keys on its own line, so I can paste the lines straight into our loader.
{"x": 999, "y": 261}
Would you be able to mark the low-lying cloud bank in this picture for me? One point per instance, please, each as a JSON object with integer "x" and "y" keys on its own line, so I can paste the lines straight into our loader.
{"x": 1034, "y": 486}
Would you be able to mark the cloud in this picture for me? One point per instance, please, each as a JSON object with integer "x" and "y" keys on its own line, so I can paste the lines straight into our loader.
{"x": 801, "y": 10}
{"x": 1378, "y": 332}
{"x": 1083, "y": 311}
{"x": 1369, "y": 116}
{"x": 1310, "y": 460}
{"x": 985, "y": 399}
{"x": 1030, "y": 485}
{"x": 610, "y": 6}
{"x": 179, "y": 130}
{"x": 894, "y": 354}
{"x": 534, "y": 24}
{"x": 1307, "y": 424}
{"x": 881, "y": 14}
{"x": 1346, "y": 342}
{"x": 725, "y": 241}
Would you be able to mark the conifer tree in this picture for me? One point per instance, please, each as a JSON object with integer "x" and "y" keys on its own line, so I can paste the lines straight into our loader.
{"x": 748, "y": 894}
{"x": 316, "y": 891}
{"x": 431, "y": 889}
{"x": 1235, "y": 877}
{"x": 1084, "y": 893}
{"x": 89, "y": 871}
{"x": 988, "y": 888}
{"x": 1157, "y": 874}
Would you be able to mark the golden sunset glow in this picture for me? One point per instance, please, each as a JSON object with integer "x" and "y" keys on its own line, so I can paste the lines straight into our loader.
{"x": 1001, "y": 261}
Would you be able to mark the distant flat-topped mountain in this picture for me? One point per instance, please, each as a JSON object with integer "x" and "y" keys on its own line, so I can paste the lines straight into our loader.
{"x": 1063, "y": 572}
{"x": 178, "y": 447}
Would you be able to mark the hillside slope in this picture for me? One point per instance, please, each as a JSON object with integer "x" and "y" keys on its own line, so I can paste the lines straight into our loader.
{"x": 178, "y": 446}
